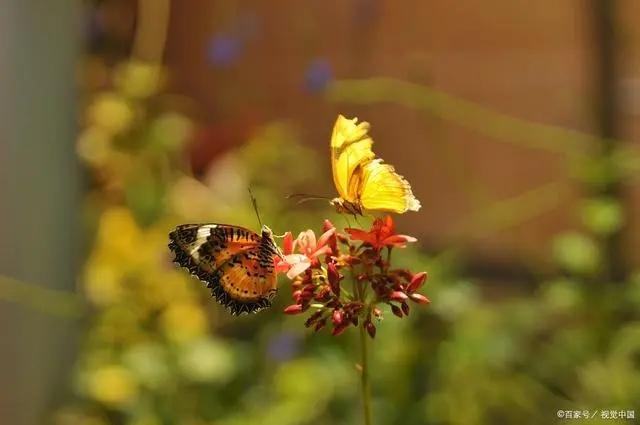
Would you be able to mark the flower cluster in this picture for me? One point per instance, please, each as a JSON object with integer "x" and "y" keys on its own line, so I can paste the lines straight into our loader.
{"x": 318, "y": 267}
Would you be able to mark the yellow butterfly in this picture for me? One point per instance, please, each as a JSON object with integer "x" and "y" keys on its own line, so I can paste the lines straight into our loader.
{"x": 363, "y": 181}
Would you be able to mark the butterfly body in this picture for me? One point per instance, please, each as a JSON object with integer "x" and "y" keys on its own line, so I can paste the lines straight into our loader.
{"x": 236, "y": 263}
{"x": 346, "y": 207}
{"x": 364, "y": 182}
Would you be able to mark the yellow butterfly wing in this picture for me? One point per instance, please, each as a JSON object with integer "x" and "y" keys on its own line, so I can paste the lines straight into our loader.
{"x": 360, "y": 178}
{"x": 385, "y": 190}
{"x": 350, "y": 149}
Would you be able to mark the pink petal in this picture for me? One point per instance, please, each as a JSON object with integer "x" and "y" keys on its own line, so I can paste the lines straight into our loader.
{"x": 322, "y": 251}
{"x": 293, "y": 259}
{"x": 398, "y": 240}
{"x": 307, "y": 242}
{"x": 420, "y": 299}
{"x": 298, "y": 265}
{"x": 294, "y": 309}
{"x": 281, "y": 265}
{"x": 325, "y": 237}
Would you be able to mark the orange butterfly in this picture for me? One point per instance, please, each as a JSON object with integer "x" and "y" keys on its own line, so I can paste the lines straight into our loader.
{"x": 236, "y": 263}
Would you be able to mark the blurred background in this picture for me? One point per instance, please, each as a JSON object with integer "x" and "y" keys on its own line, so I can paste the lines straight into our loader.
{"x": 516, "y": 123}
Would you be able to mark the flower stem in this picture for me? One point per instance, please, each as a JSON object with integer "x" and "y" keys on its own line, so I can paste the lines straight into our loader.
{"x": 364, "y": 376}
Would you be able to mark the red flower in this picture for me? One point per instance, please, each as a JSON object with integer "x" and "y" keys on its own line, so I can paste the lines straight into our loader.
{"x": 417, "y": 280}
{"x": 381, "y": 234}
{"x": 333, "y": 240}
{"x": 310, "y": 249}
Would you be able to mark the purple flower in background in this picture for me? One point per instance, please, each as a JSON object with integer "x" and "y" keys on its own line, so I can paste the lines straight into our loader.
{"x": 283, "y": 347}
{"x": 223, "y": 50}
{"x": 318, "y": 74}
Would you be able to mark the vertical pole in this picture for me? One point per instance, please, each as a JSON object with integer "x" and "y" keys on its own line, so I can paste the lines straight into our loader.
{"x": 607, "y": 112}
{"x": 38, "y": 197}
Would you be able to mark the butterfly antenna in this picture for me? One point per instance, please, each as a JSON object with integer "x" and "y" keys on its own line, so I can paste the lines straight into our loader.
{"x": 255, "y": 206}
{"x": 304, "y": 197}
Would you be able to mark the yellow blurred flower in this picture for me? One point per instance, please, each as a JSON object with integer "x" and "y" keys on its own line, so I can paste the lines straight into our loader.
{"x": 171, "y": 130}
{"x": 112, "y": 385}
{"x": 119, "y": 235}
{"x": 184, "y": 321}
{"x": 110, "y": 112}
{"x": 119, "y": 324}
{"x": 94, "y": 145}
{"x": 163, "y": 287}
{"x": 138, "y": 79}
{"x": 103, "y": 284}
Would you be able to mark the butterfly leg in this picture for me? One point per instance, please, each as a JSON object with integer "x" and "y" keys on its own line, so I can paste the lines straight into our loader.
{"x": 355, "y": 217}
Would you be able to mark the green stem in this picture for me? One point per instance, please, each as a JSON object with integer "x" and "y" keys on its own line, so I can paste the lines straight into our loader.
{"x": 364, "y": 376}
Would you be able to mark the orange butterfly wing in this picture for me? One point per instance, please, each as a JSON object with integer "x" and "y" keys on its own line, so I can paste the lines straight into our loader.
{"x": 236, "y": 263}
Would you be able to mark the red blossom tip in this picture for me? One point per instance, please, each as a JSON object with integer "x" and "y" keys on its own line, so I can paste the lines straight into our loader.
{"x": 396, "y": 310}
{"x": 294, "y": 309}
{"x": 398, "y": 296}
{"x": 320, "y": 324}
{"x": 337, "y": 317}
{"x": 327, "y": 225}
{"x": 287, "y": 244}
{"x": 417, "y": 281}
{"x": 420, "y": 299}
{"x": 405, "y": 308}
{"x": 339, "y": 329}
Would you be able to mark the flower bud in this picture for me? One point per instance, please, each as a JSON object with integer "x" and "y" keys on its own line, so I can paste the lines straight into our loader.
{"x": 337, "y": 330}
{"x": 313, "y": 318}
{"x": 320, "y": 324}
{"x": 353, "y": 306}
{"x": 396, "y": 310}
{"x": 398, "y": 296}
{"x": 323, "y": 294}
{"x": 405, "y": 308}
{"x": 332, "y": 242}
{"x": 377, "y": 312}
{"x": 337, "y": 317}
{"x": 371, "y": 329}
{"x": 420, "y": 299}
{"x": 417, "y": 281}
{"x": 334, "y": 278}
{"x": 294, "y": 309}
{"x": 327, "y": 225}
